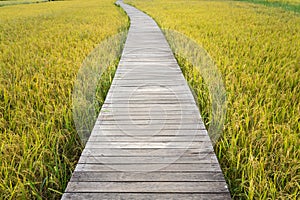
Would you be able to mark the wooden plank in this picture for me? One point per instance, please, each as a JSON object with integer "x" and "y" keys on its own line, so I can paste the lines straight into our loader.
{"x": 150, "y": 88}
{"x": 151, "y": 94}
{"x": 146, "y": 196}
{"x": 150, "y": 139}
{"x": 144, "y": 160}
{"x": 161, "y": 102}
{"x": 175, "y": 104}
{"x": 147, "y": 145}
{"x": 146, "y": 177}
{"x": 148, "y": 64}
{"x": 152, "y": 111}
{"x": 148, "y": 152}
{"x": 140, "y": 130}
{"x": 154, "y": 87}
{"x": 193, "y": 122}
{"x": 147, "y": 111}
{"x": 116, "y": 117}
{"x": 151, "y": 187}
{"x": 126, "y": 138}
{"x": 153, "y": 127}
{"x": 146, "y": 118}
{"x": 178, "y": 167}
{"x": 98, "y": 131}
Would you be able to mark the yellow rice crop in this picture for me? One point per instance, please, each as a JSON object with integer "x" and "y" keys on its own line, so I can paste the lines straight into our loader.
{"x": 42, "y": 47}
{"x": 256, "y": 48}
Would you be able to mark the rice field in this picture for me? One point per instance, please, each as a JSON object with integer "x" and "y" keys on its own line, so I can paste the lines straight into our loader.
{"x": 256, "y": 48}
{"x": 42, "y": 46}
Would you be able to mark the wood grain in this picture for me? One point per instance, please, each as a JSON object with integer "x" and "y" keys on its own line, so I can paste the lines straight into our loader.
{"x": 149, "y": 141}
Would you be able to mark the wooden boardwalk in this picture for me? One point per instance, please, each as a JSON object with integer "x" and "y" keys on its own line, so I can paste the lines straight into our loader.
{"x": 149, "y": 141}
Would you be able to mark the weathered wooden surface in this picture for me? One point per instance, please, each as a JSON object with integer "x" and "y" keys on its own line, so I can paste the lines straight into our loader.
{"x": 149, "y": 141}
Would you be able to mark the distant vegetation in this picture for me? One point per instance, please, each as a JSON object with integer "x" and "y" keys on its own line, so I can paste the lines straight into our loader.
{"x": 291, "y": 5}
{"x": 42, "y": 47}
{"x": 256, "y": 48}
{"x": 16, "y": 2}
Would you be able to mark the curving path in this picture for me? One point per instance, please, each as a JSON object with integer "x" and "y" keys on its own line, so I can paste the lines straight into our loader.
{"x": 149, "y": 141}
